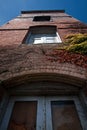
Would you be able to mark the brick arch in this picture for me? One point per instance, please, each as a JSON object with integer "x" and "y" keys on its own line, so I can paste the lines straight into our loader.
{"x": 72, "y": 78}
{"x": 69, "y": 76}
{"x": 27, "y": 61}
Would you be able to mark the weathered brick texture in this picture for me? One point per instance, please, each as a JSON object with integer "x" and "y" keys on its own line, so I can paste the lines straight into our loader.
{"x": 21, "y": 60}
{"x": 17, "y": 59}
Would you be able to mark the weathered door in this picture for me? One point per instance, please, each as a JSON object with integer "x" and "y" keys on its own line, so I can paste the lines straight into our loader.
{"x": 64, "y": 116}
{"x": 44, "y": 113}
{"x": 23, "y": 116}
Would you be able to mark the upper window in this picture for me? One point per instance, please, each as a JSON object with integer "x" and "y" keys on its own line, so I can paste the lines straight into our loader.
{"x": 43, "y": 34}
{"x": 41, "y": 18}
{"x": 43, "y": 38}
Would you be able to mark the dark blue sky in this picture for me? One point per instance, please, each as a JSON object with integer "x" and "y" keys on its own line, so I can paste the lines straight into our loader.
{"x": 9, "y": 9}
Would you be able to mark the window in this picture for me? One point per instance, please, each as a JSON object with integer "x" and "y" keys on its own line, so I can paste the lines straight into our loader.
{"x": 43, "y": 34}
{"x": 41, "y": 18}
{"x": 49, "y": 113}
{"x": 43, "y": 38}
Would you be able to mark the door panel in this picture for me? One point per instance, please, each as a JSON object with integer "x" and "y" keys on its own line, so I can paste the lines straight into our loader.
{"x": 64, "y": 116}
{"x": 44, "y": 113}
{"x": 23, "y": 116}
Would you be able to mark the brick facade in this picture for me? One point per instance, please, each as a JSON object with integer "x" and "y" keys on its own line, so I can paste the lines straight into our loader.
{"x": 34, "y": 69}
{"x": 17, "y": 59}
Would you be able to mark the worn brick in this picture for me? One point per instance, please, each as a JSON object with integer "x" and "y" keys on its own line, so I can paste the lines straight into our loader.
{"x": 17, "y": 59}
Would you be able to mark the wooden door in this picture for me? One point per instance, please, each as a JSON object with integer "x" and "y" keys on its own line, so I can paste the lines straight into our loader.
{"x": 64, "y": 116}
{"x": 44, "y": 113}
{"x": 23, "y": 116}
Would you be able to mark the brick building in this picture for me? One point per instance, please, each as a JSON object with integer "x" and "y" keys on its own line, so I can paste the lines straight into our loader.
{"x": 36, "y": 91}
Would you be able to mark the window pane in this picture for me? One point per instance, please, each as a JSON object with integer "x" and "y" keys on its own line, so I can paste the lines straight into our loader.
{"x": 37, "y": 38}
{"x": 43, "y": 38}
{"x": 23, "y": 116}
{"x": 51, "y": 38}
{"x": 64, "y": 116}
{"x": 30, "y": 39}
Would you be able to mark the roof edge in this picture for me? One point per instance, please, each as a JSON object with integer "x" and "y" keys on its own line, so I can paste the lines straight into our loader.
{"x": 42, "y": 11}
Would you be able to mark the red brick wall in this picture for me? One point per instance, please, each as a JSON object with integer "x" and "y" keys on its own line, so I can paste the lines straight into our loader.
{"x": 17, "y": 59}
{"x": 21, "y": 60}
{"x": 11, "y": 37}
{"x": 15, "y": 30}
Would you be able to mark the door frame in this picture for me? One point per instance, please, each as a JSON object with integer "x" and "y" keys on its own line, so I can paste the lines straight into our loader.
{"x": 44, "y": 116}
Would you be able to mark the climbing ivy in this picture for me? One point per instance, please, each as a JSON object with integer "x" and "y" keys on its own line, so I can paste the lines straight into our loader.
{"x": 76, "y": 43}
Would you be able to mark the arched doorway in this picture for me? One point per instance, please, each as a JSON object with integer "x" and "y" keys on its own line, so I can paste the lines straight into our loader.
{"x": 44, "y": 103}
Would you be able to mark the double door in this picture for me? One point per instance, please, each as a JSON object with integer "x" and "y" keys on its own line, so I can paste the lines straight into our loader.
{"x": 43, "y": 113}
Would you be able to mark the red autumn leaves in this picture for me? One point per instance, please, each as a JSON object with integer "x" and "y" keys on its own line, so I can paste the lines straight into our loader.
{"x": 62, "y": 56}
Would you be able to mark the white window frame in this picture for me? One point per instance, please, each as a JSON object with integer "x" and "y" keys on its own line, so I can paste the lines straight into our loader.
{"x": 44, "y": 117}
{"x": 31, "y": 37}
